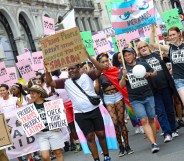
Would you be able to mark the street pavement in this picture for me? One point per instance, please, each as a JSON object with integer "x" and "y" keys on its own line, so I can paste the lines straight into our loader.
{"x": 172, "y": 151}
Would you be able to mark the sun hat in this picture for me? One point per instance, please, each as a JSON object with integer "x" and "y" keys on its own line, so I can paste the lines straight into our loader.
{"x": 39, "y": 89}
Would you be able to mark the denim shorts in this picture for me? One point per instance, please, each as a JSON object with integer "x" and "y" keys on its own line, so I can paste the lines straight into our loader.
{"x": 144, "y": 109}
{"x": 179, "y": 83}
{"x": 112, "y": 98}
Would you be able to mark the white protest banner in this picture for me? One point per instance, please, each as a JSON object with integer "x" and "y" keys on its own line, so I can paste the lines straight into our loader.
{"x": 48, "y": 25}
{"x": 56, "y": 117}
{"x": 37, "y": 61}
{"x": 63, "y": 49}
{"x": 3, "y": 73}
{"x": 30, "y": 119}
{"x": 22, "y": 145}
{"x": 25, "y": 70}
{"x": 12, "y": 76}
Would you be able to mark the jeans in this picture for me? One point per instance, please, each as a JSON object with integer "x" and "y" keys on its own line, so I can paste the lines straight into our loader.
{"x": 164, "y": 110}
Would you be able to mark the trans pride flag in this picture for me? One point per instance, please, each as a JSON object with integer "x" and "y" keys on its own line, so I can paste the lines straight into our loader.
{"x": 132, "y": 15}
{"x": 109, "y": 131}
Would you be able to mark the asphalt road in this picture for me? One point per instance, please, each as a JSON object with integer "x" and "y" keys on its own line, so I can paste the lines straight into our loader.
{"x": 172, "y": 151}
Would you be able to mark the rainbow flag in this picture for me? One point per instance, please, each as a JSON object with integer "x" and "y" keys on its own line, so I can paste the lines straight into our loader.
{"x": 109, "y": 131}
{"x": 132, "y": 15}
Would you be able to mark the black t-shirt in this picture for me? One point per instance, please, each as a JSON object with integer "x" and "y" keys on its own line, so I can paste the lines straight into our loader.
{"x": 159, "y": 81}
{"x": 177, "y": 60}
{"x": 41, "y": 111}
{"x": 138, "y": 88}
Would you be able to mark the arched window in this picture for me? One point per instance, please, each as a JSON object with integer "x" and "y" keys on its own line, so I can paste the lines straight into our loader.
{"x": 26, "y": 34}
{"x": 7, "y": 42}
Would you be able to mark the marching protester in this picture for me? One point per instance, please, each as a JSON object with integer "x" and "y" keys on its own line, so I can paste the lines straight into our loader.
{"x": 143, "y": 104}
{"x": 80, "y": 89}
{"x": 113, "y": 100}
{"x": 161, "y": 89}
{"x": 46, "y": 139}
{"x": 175, "y": 50}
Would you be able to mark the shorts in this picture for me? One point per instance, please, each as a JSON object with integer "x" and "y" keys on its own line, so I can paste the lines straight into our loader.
{"x": 90, "y": 121}
{"x": 112, "y": 98}
{"x": 69, "y": 111}
{"x": 50, "y": 140}
{"x": 179, "y": 83}
{"x": 144, "y": 109}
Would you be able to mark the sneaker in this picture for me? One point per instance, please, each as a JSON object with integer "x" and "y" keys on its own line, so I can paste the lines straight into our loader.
{"x": 141, "y": 130}
{"x": 73, "y": 147}
{"x": 66, "y": 148}
{"x": 167, "y": 138}
{"x": 78, "y": 148}
{"x": 107, "y": 158}
{"x": 162, "y": 134}
{"x": 121, "y": 151}
{"x": 175, "y": 134}
{"x": 181, "y": 123}
{"x": 129, "y": 150}
{"x": 37, "y": 158}
{"x": 154, "y": 148}
{"x": 137, "y": 130}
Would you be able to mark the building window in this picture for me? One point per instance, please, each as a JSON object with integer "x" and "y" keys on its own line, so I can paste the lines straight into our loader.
{"x": 97, "y": 24}
{"x": 90, "y": 25}
{"x": 7, "y": 43}
{"x": 84, "y": 24}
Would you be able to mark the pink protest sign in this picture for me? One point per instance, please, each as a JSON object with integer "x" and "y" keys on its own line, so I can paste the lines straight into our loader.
{"x": 122, "y": 41}
{"x": 147, "y": 30}
{"x": 133, "y": 35}
{"x": 24, "y": 57}
{"x": 101, "y": 44}
{"x": 3, "y": 73}
{"x": 25, "y": 70}
{"x": 30, "y": 119}
{"x": 12, "y": 76}
{"x": 48, "y": 24}
{"x": 37, "y": 60}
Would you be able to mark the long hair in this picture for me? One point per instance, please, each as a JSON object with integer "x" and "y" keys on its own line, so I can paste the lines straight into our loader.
{"x": 115, "y": 61}
{"x": 174, "y": 28}
{"x": 19, "y": 86}
{"x": 142, "y": 43}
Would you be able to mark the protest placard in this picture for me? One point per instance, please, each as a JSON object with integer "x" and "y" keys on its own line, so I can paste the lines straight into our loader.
{"x": 115, "y": 44}
{"x": 48, "y": 25}
{"x": 121, "y": 41}
{"x": 30, "y": 119}
{"x": 56, "y": 117}
{"x": 109, "y": 32}
{"x": 63, "y": 49}
{"x": 12, "y": 76}
{"x": 3, "y": 73}
{"x": 22, "y": 145}
{"x": 88, "y": 42}
{"x": 132, "y": 15}
{"x": 25, "y": 56}
{"x": 172, "y": 18}
{"x": 5, "y": 138}
{"x": 25, "y": 69}
{"x": 37, "y": 61}
{"x": 101, "y": 43}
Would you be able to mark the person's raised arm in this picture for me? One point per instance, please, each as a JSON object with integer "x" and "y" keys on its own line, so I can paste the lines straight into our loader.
{"x": 99, "y": 67}
{"x": 156, "y": 44}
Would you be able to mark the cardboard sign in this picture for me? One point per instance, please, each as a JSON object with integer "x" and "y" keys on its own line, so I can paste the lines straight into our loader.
{"x": 25, "y": 70}
{"x": 30, "y": 119}
{"x": 5, "y": 139}
{"x": 101, "y": 44}
{"x": 3, "y": 73}
{"x": 172, "y": 18}
{"x": 48, "y": 25}
{"x": 63, "y": 49}
{"x": 56, "y": 117}
{"x": 88, "y": 42}
{"x": 12, "y": 76}
{"x": 37, "y": 61}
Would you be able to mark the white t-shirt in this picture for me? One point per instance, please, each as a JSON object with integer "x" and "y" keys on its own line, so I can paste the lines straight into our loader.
{"x": 81, "y": 103}
{"x": 8, "y": 107}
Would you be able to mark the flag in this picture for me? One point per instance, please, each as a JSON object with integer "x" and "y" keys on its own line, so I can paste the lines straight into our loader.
{"x": 132, "y": 15}
{"x": 69, "y": 20}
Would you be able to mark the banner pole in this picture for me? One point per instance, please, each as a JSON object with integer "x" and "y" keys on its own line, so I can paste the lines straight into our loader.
{"x": 123, "y": 61}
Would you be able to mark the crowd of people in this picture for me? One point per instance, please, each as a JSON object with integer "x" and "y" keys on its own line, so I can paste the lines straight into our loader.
{"x": 102, "y": 81}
